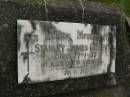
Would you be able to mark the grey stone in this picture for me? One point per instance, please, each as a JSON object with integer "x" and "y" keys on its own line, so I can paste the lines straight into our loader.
{"x": 128, "y": 20}
{"x": 61, "y": 10}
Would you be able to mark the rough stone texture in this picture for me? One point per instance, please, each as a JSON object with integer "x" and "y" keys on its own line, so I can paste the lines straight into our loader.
{"x": 128, "y": 20}
{"x": 61, "y": 10}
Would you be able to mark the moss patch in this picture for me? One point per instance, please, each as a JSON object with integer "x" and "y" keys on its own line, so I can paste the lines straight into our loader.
{"x": 125, "y": 4}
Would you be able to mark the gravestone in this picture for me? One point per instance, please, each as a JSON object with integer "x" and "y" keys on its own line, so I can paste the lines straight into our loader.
{"x": 50, "y": 47}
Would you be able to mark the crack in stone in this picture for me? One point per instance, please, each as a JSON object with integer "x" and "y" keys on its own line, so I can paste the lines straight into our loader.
{"x": 128, "y": 20}
{"x": 81, "y": 3}
{"x": 46, "y": 10}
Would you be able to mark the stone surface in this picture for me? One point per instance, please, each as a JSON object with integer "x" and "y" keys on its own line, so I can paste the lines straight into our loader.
{"x": 128, "y": 20}
{"x": 64, "y": 50}
{"x": 57, "y": 10}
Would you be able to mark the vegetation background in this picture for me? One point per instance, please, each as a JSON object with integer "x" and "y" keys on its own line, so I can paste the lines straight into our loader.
{"x": 125, "y": 4}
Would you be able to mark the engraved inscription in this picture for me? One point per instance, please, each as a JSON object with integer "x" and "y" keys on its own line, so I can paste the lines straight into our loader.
{"x": 49, "y": 51}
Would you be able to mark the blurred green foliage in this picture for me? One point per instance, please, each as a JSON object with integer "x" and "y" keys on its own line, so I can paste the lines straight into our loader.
{"x": 125, "y": 4}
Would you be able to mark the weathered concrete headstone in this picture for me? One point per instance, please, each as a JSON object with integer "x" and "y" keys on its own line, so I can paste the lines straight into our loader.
{"x": 21, "y": 39}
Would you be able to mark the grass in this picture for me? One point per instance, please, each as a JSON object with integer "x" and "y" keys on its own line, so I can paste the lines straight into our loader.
{"x": 125, "y": 4}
